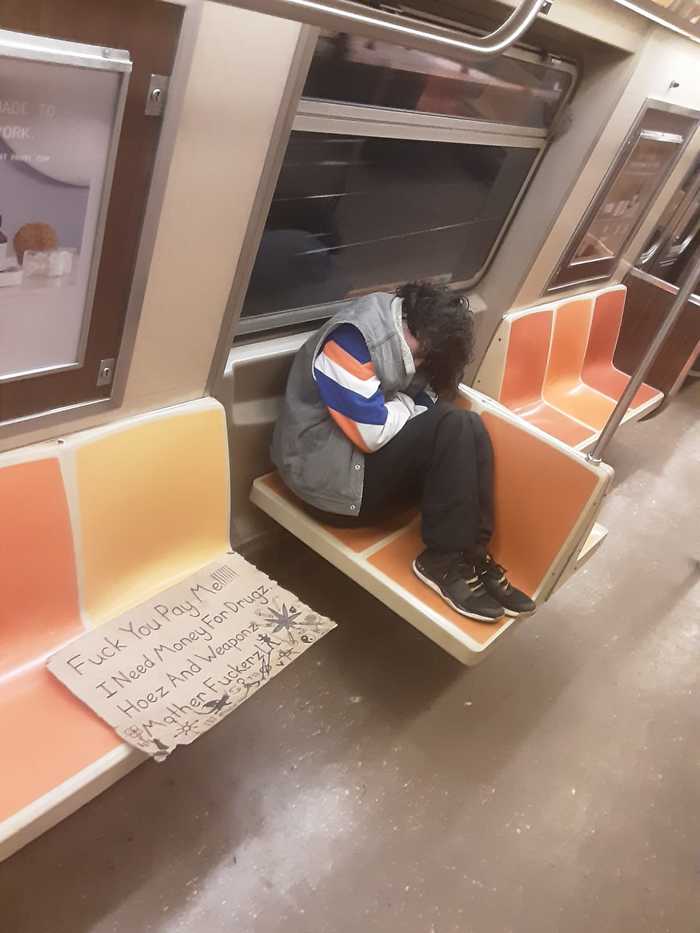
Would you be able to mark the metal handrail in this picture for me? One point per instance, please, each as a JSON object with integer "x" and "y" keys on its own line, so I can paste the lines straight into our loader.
{"x": 687, "y": 287}
{"x": 392, "y": 27}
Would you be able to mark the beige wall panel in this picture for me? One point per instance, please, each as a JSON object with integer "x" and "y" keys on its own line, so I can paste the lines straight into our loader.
{"x": 221, "y": 142}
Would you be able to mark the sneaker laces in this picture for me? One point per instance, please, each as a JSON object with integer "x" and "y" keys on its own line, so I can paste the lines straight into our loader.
{"x": 497, "y": 571}
{"x": 461, "y": 570}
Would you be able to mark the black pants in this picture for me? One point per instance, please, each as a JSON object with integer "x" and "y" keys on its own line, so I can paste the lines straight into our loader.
{"x": 442, "y": 460}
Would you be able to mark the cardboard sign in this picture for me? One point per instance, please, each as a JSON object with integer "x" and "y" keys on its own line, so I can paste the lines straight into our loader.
{"x": 167, "y": 671}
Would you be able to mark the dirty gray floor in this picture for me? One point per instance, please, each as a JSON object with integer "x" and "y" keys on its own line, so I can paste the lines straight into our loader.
{"x": 377, "y": 786}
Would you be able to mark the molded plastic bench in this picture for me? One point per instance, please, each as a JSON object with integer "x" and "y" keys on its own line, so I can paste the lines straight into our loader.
{"x": 553, "y": 366}
{"x": 547, "y": 497}
{"x": 92, "y": 525}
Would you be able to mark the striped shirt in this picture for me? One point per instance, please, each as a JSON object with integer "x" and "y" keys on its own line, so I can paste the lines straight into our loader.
{"x": 351, "y": 390}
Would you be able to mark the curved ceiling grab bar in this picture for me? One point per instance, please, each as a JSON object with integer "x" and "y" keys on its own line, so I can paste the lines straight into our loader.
{"x": 392, "y": 27}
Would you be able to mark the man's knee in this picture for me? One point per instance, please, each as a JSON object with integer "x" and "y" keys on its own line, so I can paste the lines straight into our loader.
{"x": 458, "y": 422}
{"x": 460, "y": 416}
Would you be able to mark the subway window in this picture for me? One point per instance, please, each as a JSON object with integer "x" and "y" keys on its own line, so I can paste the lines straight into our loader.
{"x": 400, "y": 165}
{"x": 350, "y": 69}
{"x": 643, "y": 164}
{"x": 676, "y": 237}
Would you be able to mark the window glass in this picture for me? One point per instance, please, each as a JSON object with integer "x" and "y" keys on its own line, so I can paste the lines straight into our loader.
{"x": 356, "y": 70}
{"x": 627, "y": 199}
{"x": 676, "y": 237}
{"x": 354, "y": 214}
{"x": 644, "y": 163}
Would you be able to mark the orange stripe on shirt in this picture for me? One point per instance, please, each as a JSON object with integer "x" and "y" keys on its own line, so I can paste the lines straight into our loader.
{"x": 336, "y": 353}
{"x": 349, "y": 429}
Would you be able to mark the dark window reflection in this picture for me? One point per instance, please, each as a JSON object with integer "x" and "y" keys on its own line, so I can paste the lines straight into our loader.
{"x": 676, "y": 237}
{"x": 356, "y": 70}
{"x": 354, "y": 214}
{"x": 627, "y": 200}
{"x": 624, "y": 199}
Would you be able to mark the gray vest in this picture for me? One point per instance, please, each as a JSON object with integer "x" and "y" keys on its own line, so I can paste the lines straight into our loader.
{"x": 316, "y": 460}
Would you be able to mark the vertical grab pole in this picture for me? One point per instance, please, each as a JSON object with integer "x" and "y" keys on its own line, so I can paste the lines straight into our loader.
{"x": 686, "y": 289}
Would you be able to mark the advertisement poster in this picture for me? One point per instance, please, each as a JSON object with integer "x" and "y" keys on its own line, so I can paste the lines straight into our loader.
{"x": 56, "y": 125}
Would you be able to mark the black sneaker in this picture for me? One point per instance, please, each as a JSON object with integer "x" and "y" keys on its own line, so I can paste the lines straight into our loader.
{"x": 458, "y": 583}
{"x": 497, "y": 584}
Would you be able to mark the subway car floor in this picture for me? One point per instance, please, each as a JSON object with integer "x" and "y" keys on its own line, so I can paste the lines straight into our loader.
{"x": 378, "y": 786}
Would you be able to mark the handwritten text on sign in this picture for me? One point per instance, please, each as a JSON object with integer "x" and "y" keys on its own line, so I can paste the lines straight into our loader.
{"x": 172, "y": 668}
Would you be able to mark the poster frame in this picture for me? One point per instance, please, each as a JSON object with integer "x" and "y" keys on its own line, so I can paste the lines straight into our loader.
{"x": 25, "y": 47}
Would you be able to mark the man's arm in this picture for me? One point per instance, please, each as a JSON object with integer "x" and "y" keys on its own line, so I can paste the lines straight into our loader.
{"x": 350, "y": 389}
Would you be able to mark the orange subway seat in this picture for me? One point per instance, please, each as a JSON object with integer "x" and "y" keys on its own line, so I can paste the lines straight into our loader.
{"x": 526, "y": 360}
{"x": 563, "y": 386}
{"x": 523, "y": 379}
{"x": 528, "y": 531}
{"x": 359, "y": 537}
{"x": 153, "y": 505}
{"x": 556, "y": 424}
{"x": 37, "y": 569}
{"x": 598, "y": 369}
{"x": 395, "y": 560}
{"x": 47, "y": 735}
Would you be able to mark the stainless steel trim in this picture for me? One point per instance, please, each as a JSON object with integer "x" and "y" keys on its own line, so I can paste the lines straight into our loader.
{"x": 105, "y": 372}
{"x": 687, "y": 287}
{"x": 615, "y": 167}
{"x": 588, "y": 260}
{"x": 396, "y": 28}
{"x": 59, "y": 52}
{"x": 383, "y": 129}
{"x": 521, "y": 51}
{"x": 156, "y": 95}
{"x": 386, "y": 115}
{"x": 105, "y": 198}
{"x": 38, "y": 371}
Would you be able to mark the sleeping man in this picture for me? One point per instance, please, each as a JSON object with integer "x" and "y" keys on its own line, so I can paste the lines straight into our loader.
{"x": 368, "y": 426}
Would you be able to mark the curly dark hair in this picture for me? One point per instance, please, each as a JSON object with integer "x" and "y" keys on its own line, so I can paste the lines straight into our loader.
{"x": 442, "y": 323}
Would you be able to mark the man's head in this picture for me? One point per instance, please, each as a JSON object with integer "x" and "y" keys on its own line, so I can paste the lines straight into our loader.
{"x": 442, "y": 327}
